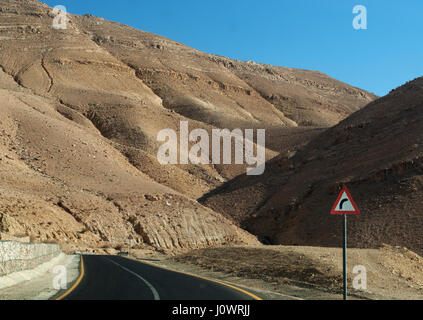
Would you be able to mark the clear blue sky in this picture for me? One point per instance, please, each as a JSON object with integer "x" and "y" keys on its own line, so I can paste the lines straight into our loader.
{"x": 306, "y": 34}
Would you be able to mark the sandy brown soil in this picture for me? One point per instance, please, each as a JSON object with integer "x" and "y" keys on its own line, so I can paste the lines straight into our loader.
{"x": 392, "y": 272}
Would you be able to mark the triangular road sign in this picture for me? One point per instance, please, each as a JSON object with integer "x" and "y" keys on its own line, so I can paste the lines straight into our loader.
{"x": 345, "y": 203}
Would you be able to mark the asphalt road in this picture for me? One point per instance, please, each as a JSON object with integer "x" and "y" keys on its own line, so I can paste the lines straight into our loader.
{"x": 119, "y": 278}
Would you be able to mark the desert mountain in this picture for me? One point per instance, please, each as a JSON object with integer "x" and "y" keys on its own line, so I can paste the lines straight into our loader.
{"x": 377, "y": 152}
{"x": 80, "y": 112}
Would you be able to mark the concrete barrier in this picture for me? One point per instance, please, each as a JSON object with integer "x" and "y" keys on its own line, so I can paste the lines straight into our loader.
{"x": 18, "y": 256}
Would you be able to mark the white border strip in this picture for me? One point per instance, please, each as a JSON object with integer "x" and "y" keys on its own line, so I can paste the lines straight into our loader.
{"x": 153, "y": 290}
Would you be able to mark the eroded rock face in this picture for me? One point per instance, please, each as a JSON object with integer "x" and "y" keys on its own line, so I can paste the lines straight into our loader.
{"x": 63, "y": 182}
{"x": 80, "y": 112}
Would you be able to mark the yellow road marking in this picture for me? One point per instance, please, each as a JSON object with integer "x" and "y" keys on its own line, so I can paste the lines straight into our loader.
{"x": 204, "y": 278}
{"x": 76, "y": 283}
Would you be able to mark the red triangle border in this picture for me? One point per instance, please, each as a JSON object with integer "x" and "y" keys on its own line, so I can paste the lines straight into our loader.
{"x": 356, "y": 212}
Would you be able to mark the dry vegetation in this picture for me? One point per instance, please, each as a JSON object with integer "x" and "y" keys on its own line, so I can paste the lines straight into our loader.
{"x": 392, "y": 272}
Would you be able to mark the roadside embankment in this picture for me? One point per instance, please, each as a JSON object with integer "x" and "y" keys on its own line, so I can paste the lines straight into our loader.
{"x": 391, "y": 272}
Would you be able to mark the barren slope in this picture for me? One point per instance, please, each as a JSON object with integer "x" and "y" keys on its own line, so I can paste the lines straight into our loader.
{"x": 62, "y": 182}
{"x": 377, "y": 152}
{"x": 225, "y": 92}
{"x": 80, "y": 112}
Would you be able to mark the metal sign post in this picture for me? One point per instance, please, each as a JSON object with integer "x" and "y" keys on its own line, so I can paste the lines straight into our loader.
{"x": 345, "y": 257}
{"x": 345, "y": 205}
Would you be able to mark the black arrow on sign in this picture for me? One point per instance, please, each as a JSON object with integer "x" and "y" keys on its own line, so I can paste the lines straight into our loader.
{"x": 342, "y": 203}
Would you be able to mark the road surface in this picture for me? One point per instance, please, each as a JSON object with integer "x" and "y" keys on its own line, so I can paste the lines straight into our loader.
{"x": 119, "y": 278}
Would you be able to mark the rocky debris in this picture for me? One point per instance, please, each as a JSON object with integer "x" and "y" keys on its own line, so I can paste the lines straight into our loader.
{"x": 150, "y": 197}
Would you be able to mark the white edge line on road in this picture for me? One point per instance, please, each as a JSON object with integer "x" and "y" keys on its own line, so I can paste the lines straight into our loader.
{"x": 153, "y": 290}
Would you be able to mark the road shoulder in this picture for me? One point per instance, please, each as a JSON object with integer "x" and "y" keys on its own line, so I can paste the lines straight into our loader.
{"x": 37, "y": 284}
{"x": 264, "y": 290}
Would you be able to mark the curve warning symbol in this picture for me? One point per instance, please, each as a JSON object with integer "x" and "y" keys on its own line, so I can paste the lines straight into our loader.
{"x": 345, "y": 203}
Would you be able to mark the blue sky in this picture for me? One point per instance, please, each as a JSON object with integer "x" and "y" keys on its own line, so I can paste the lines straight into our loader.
{"x": 306, "y": 34}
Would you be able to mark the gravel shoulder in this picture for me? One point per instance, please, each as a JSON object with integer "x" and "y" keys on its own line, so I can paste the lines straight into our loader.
{"x": 290, "y": 272}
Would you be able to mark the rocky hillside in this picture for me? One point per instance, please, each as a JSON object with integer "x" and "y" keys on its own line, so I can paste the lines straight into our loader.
{"x": 80, "y": 112}
{"x": 377, "y": 152}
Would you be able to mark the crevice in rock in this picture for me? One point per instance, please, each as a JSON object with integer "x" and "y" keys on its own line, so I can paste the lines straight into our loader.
{"x": 48, "y": 74}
